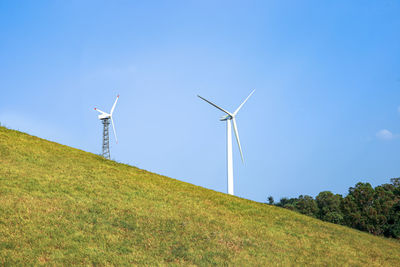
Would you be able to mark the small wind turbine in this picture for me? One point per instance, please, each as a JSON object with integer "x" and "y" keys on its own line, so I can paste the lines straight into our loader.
{"x": 228, "y": 118}
{"x": 105, "y": 119}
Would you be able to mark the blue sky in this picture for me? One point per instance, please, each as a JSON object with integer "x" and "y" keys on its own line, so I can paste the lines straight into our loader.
{"x": 325, "y": 114}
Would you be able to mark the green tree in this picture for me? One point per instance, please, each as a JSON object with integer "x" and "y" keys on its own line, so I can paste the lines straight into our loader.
{"x": 392, "y": 228}
{"x": 329, "y": 207}
{"x": 287, "y": 203}
{"x": 307, "y": 205}
{"x": 358, "y": 209}
{"x": 384, "y": 201}
{"x": 396, "y": 183}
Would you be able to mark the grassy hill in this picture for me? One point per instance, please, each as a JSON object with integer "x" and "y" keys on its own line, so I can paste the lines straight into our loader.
{"x": 64, "y": 206}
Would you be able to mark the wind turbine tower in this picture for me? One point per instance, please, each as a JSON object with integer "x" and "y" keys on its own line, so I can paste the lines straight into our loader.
{"x": 230, "y": 119}
{"x": 105, "y": 119}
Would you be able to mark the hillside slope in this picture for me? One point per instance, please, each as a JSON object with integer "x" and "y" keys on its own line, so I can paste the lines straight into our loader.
{"x": 63, "y": 206}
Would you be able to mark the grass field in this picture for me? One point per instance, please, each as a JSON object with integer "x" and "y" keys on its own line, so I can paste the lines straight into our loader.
{"x": 64, "y": 206}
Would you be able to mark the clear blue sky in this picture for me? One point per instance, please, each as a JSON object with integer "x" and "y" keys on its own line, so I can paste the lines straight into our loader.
{"x": 325, "y": 114}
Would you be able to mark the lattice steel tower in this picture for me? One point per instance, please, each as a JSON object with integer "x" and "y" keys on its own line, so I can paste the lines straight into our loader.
{"x": 106, "y": 138}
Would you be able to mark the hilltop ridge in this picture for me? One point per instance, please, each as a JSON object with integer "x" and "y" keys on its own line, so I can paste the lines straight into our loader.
{"x": 64, "y": 206}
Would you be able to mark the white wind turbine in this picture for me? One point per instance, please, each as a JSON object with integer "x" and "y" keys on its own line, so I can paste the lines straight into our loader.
{"x": 228, "y": 118}
{"x": 105, "y": 119}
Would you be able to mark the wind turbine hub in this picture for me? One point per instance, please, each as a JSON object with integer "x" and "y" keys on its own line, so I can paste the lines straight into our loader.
{"x": 225, "y": 118}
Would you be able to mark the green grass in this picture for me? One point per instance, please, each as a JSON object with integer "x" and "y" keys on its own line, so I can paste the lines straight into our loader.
{"x": 64, "y": 206}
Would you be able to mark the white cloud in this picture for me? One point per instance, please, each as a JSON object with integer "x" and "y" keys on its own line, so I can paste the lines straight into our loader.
{"x": 385, "y": 135}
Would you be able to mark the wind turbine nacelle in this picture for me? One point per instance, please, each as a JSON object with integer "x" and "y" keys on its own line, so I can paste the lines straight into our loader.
{"x": 104, "y": 116}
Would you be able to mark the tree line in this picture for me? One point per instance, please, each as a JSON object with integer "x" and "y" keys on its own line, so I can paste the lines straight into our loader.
{"x": 373, "y": 210}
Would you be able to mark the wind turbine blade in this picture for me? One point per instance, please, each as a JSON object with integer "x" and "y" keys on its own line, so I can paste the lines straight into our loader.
{"x": 115, "y": 134}
{"x": 237, "y": 137}
{"x": 113, "y": 107}
{"x": 241, "y": 105}
{"x": 100, "y": 111}
{"x": 216, "y": 106}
